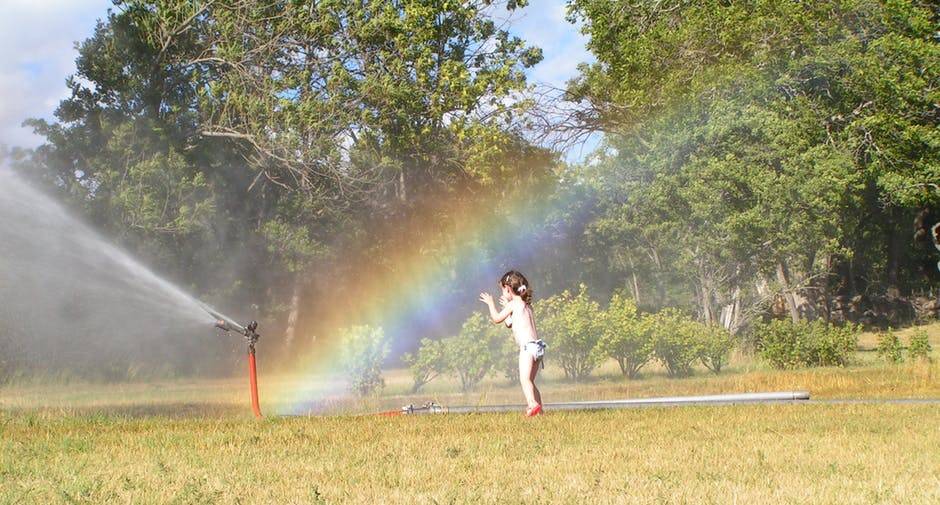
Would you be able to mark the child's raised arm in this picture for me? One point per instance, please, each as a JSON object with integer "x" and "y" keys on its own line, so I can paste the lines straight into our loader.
{"x": 495, "y": 316}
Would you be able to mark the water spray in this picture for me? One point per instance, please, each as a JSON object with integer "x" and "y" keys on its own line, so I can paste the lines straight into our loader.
{"x": 249, "y": 331}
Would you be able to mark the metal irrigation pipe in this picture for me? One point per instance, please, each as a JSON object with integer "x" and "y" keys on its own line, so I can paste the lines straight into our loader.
{"x": 725, "y": 399}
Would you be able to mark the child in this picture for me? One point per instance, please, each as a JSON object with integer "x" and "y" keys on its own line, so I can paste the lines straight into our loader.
{"x": 516, "y": 312}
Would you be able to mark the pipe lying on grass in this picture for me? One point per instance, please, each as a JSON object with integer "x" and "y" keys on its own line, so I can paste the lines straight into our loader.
{"x": 668, "y": 401}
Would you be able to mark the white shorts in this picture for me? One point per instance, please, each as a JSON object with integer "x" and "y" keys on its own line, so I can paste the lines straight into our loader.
{"x": 535, "y": 348}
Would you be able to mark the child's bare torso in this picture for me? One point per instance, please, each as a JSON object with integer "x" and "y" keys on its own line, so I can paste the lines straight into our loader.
{"x": 522, "y": 322}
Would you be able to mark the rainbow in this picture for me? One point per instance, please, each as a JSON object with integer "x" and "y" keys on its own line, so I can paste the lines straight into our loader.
{"x": 413, "y": 284}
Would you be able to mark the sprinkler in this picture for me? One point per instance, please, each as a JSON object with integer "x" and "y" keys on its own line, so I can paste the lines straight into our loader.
{"x": 249, "y": 331}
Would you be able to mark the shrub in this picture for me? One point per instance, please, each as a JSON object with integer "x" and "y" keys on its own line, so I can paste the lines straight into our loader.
{"x": 785, "y": 344}
{"x": 429, "y": 361}
{"x": 889, "y": 347}
{"x": 508, "y": 361}
{"x": 362, "y": 352}
{"x": 920, "y": 346}
{"x": 474, "y": 351}
{"x": 676, "y": 343}
{"x": 572, "y": 327}
{"x": 715, "y": 346}
{"x": 625, "y": 338}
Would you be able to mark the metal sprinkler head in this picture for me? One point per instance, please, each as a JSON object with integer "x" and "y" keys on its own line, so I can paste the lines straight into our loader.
{"x": 252, "y": 335}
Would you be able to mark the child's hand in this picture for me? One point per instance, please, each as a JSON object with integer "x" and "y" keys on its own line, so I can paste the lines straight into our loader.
{"x": 503, "y": 300}
{"x": 486, "y": 298}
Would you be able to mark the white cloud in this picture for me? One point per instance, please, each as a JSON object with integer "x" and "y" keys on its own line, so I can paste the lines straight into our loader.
{"x": 37, "y": 53}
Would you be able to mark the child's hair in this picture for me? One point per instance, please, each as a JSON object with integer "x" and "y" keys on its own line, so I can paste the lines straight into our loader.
{"x": 518, "y": 284}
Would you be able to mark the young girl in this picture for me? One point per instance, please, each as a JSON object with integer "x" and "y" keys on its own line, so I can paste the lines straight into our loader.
{"x": 516, "y": 312}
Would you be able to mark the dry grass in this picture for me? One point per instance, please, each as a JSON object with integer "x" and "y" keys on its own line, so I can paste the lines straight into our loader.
{"x": 229, "y": 396}
{"x": 194, "y": 442}
{"x": 748, "y": 454}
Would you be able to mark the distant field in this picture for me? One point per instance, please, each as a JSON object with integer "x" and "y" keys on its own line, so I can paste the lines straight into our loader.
{"x": 867, "y": 378}
{"x": 195, "y": 442}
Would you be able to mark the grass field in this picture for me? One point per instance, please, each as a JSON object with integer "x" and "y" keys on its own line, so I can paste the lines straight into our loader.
{"x": 194, "y": 442}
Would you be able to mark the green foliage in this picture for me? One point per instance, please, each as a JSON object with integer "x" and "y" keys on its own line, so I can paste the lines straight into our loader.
{"x": 889, "y": 347}
{"x": 788, "y": 345}
{"x": 752, "y": 141}
{"x": 625, "y": 337}
{"x": 676, "y": 341}
{"x": 291, "y": 243}
{"x": 150, "y": 186}
{"x": 428, "y": 362}
{"x": 286, "y": 132}
{"x": 413, "y": 85}
{"x": 473, "y": 353}
{"x": 363, "y": 348}
{"x": 716, "y": 344}
{"x": 919, "y": 348}
{"x": 509, "y": 359}
{"x": 572, "y": 325}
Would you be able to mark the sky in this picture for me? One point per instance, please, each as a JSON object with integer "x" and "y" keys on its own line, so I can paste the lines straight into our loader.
{"x": 37, "y": 53}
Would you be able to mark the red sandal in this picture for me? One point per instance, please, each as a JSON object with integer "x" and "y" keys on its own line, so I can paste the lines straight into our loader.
{"x": 534, "y": 411}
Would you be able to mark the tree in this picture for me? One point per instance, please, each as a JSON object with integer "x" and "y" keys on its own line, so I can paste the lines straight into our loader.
{"x": 716, "y": 345}
{"x": 919, "y": 348}
{"x": 676, "y": 343}
{"x": 362, "y": 351}
{"x": 889, "y": 347}
{"x": 754, "y": 162}
{"x": 336, "y": 96}
{"x": 473, "y": 352}
{"x": 509, "y": 359}
{"x": 571, "y": 324}
{"x": 625, "y": 338}
{"x": 428, "y": 362}
{"x": 289, "y": 132}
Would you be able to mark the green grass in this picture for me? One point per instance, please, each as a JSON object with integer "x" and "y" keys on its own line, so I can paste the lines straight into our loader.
{"x": 195, "y": 442}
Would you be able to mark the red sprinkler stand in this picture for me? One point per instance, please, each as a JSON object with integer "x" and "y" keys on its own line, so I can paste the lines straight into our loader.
{"x": 253, "y": 379}
{"x": 251, "y": 335}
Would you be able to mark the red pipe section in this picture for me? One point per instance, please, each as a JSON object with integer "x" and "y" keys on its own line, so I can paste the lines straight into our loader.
{"x": 253, "y": 379}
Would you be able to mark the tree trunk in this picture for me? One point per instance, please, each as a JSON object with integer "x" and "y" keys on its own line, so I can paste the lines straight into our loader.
{"x": 294, "y": 313}
{"x": 784, "y": 279}
{"x": 853, "y": 287}
{"x": 708, "y": 313}
{"x": 636, "y": 284}
{"x": 402, "y": 196}
{"x": 824, "y": 286}
{"x": 730, "y": 317}
{"x": 894, "y": 255}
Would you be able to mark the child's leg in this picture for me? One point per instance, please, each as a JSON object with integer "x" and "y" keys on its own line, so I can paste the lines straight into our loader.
{"x": 526, "y": 364}
{"x": 532, "y": 374}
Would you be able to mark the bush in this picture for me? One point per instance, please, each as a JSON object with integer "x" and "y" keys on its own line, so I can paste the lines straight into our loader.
{"x": 715, "y": 346}
{"x": 362, "y": 352}
{"x": 676, "y": 343}
{"x": 785, "y": 344}
{"x": 429, "y": 361}
{"x": 624, "y": 338}
{"x": 572, "y": 327}
{"x": 889, "y": 347}
{"x": 474, "y": 351}
{"x": 920, "y": 346}
{"x": 508, "y": 361}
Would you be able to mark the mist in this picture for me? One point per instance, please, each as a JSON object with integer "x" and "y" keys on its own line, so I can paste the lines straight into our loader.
{"x": 71, "y": 302}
